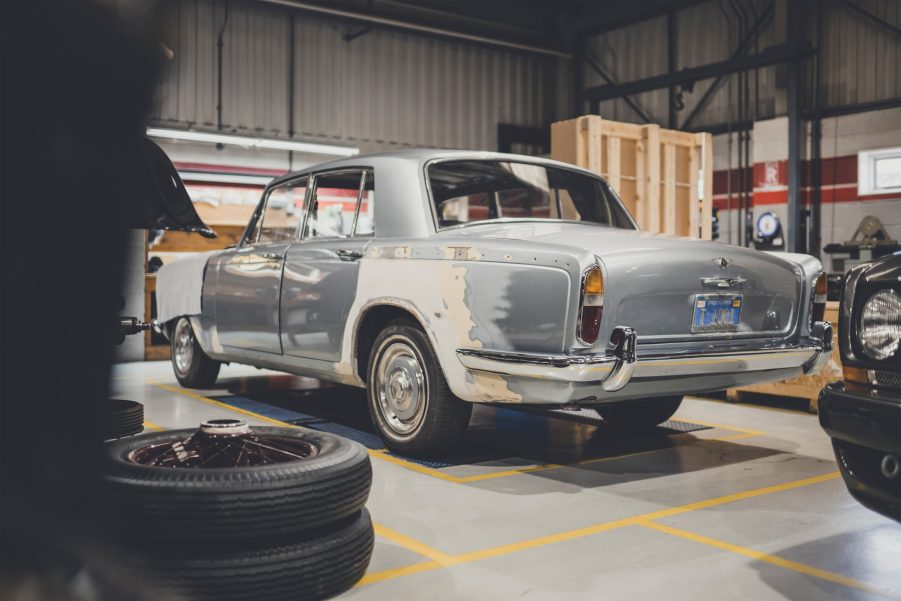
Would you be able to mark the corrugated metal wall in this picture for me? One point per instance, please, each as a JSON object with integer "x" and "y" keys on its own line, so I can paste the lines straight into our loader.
{"x": 860, "y": 61}
{"x": 384, "y": 88}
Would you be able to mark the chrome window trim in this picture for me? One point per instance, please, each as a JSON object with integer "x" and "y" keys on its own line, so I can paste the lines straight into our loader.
{"x": 261, "y": 207}
{"x": 300, "y": 235}
{"x": 434, "y": 210}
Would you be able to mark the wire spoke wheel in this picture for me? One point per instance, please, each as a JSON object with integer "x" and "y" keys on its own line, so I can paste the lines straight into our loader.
{"x": 224, "y": 443}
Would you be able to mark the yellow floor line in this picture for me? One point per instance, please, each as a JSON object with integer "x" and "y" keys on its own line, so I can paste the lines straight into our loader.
{"x": 200, "y": 397}
{"x": 438, "y": 559}
{"x": 568, "y": 535}
{"x": 411, "y": 544}
{"x": 428, "y": 471}
{"x": 772, "y": 559}
{"x": 538, "y": 468}
{"x": 373, "y": 577}
{"x": 149, "y": 425}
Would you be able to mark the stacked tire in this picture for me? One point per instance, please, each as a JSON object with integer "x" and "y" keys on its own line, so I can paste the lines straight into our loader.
{"x": 289, "y": 530}
{"x": 120, "y": 418}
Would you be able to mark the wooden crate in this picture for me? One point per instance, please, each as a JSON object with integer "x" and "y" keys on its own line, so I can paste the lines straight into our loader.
{"x": 657, "y": 172}
{"x": 804, "y": 387}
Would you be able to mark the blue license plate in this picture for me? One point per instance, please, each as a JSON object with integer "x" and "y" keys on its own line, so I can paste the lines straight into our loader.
{"x": 716, "y": 313}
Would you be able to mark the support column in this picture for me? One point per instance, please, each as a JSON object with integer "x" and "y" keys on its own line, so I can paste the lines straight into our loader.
{"x": 796, "y": 240}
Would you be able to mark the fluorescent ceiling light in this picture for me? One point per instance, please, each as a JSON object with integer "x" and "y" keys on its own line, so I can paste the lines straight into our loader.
{"x": 248, "y": 142}
{"x": 226, "y": 178}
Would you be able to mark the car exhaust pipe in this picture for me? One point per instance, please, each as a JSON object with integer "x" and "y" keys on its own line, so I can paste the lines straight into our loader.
{"x": 890, "y": 467}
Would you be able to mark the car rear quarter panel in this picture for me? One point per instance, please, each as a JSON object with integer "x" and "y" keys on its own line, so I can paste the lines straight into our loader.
{"x": 488, "y": 295}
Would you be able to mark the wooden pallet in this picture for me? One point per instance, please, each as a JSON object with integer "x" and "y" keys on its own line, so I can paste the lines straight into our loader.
{"x": 664, "y": 176}
{"x": 803, "y": 387}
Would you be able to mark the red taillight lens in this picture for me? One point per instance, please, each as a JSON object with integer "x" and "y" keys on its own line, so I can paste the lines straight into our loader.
{"x": 592, "y": 305}
{"x": 591, "y": 324}
{"x": 819, "y": 298}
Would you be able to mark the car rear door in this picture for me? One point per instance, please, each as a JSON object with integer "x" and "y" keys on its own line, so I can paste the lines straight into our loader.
{"x": 321, "y": 270}
{"x": 248, "y": 285}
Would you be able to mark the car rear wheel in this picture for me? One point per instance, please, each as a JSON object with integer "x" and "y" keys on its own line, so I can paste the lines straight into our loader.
{"x": 641, "y": 414}
{"x": 193, "y": 368}
{"x": 410, "y": 402}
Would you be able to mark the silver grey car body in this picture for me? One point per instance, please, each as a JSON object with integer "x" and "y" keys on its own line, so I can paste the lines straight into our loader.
{"x": 500, "y": 300}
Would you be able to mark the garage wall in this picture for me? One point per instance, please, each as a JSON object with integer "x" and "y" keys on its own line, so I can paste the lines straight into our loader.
{"x": 842, "y": 205}
{"x": 382, "y": 89}
{"x": 859, "y": 60}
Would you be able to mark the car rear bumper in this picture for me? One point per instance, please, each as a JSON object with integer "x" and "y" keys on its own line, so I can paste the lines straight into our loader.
{"x": 865, "y": 426}
{"x": 622, "y": 364}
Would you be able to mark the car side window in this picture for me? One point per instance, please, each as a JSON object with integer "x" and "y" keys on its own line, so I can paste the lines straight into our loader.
{"x": 338, "y": 201}
{"x": 283, "y": 211}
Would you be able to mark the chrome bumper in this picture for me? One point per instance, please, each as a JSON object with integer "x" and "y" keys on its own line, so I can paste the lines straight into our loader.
{"x": 619, "y": 363}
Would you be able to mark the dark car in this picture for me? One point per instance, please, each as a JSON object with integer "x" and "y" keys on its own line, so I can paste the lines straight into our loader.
{"x": 862, "y": 414}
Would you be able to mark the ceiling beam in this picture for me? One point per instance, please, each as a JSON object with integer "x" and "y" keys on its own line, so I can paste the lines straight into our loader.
{"x": 608, "y": 19}
{"x": 418, "y": 28}
{"x": 771, "y": 56}
{"x": 743, "y": 46}
{"x": 867, "y": 15}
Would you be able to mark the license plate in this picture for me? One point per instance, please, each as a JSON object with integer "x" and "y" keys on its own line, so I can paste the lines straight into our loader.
{"x": 716, "y": 313}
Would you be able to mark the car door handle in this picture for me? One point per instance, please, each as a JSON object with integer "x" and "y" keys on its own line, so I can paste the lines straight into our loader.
{"x": 346, "y": 254}
{"x": 272, "y": 256}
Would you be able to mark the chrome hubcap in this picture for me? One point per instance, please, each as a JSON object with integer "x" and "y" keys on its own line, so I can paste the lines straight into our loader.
{"x": 184, "y": 346}
{"x": 400, "y": 387}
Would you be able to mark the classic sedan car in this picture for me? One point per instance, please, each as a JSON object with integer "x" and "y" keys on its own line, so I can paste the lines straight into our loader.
{"x": 862, "y": 414}
{"x": 437, "y": 279}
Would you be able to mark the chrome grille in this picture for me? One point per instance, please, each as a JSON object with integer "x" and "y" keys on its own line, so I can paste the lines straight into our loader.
{"x": 887, "y": 379}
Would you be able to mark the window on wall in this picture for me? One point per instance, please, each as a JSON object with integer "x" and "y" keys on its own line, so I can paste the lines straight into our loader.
{"x": 879, "y": 171}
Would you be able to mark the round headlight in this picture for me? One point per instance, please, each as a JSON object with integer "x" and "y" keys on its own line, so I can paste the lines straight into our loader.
{"x": 880, "y": 324}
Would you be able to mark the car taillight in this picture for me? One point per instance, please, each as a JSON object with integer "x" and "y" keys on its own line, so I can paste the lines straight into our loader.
{"x": 592, "y": 305}
{"x": 819, "y": 298}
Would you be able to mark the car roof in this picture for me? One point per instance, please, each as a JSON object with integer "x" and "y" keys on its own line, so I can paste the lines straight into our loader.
{"x": 421, "y": 156}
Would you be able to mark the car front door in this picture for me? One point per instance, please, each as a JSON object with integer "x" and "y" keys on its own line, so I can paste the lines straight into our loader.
{"x": 249, "y": 278}
{"x": 321, "y": 270}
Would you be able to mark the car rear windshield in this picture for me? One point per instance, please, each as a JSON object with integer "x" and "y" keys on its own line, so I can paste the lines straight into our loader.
{"x": 480, "y": 190}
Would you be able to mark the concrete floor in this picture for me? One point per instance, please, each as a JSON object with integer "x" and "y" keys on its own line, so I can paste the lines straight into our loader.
{"x": 550, "y": 508}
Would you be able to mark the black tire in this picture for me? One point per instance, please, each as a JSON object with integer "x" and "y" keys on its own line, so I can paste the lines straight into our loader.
{"x": 244, "y": 503}
{"x": 444, "y": 417}
{"x": 640, "y": 415}
{"x": 322, "y": 564}
{"x": 120, "y": 418}
{"x": 200, "y": 371}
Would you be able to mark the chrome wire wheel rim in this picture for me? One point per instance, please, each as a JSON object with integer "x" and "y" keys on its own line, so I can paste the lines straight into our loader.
{"x": 401, "y": 387}
{"x": 223, "y": 444}
{"x": 184, "y": 346}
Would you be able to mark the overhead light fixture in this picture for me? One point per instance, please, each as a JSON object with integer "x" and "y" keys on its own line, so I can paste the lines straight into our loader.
{"x": 249, "y": 142}
{"x": 226, "y": 178}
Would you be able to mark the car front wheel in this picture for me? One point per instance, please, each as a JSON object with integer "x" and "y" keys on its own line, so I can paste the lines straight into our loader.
{"x": 640, "y": 415}
{"x": 193, "y": 368}
{"x": 409, "y": 400}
